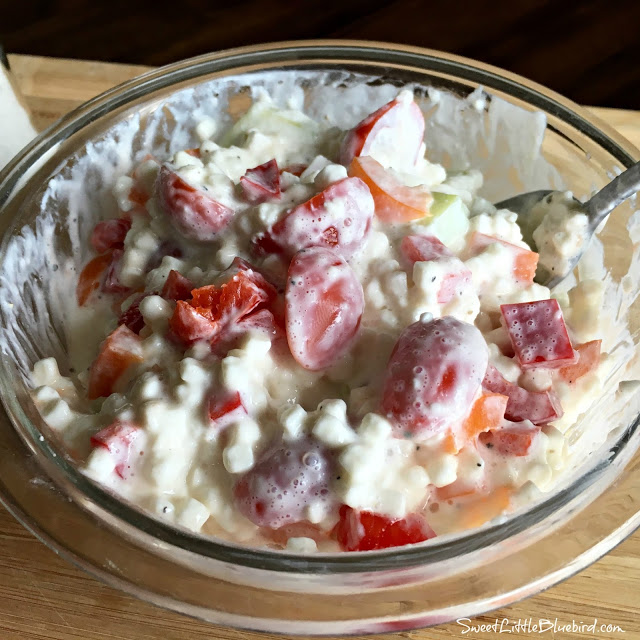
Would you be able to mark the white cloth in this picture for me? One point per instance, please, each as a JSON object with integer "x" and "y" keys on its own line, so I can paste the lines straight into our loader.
{"x": 16, "y": 129}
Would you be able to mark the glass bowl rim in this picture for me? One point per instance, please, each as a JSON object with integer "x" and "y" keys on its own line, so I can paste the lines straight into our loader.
{"x": 298, "y": 53}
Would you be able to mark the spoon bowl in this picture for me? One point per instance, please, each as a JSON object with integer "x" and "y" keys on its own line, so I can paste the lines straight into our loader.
{"x": 597, "y": 208}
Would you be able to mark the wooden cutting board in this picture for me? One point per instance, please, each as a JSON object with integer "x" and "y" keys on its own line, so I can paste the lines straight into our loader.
{"x": 43, "y": 597}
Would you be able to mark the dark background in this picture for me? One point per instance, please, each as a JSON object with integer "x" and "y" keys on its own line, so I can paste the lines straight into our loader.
{"x": 589, "y": 51}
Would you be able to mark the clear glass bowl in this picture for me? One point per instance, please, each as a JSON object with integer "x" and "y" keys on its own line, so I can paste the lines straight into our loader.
{"x": 449, "y": 577}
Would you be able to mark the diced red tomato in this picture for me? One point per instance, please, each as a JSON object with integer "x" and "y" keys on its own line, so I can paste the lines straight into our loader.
{"x": 91, "y": 277}
{"x": 286, "y": 477}
{"x": 177, "y": 287}
{"x": 487, "y": 413}
{"x": 324, "y": 302}
{"x": 109, "y": 234}
{"x": 426, "y": 248}
{"x": 111, "y": 282}
{"x": 525, "y": 262}
{"x": 215, "y": 311}
{"x": 396, "y": 128}
{"x": 132, "y": 317}
{"x": 539, "y": 407}
{"x": 434, "y": 372}
{"x": 190, "y": 326}
{"x": 195, "y": 152}
{"x": 538, "y": 334}
{"x": 337, "y": 218}
{"x": 244, "y": 293}
{"x": 511, "y": 440}
{"x": 225, "y": 408}
{"x": 237, "y": 265}
{"x": 265, "y": 321}
{"x": 193, "y": 212}
{"x": 261, "y": 321}
{"x": 204, "y": 300}
{"x": 367, "y": 531}
{"x": 118, "y": 439}
{"x": 394, "y": 201}
{"x": 121, "y": 349}
{"x": 588, "y": 360}
{"x": 262, "y": 183}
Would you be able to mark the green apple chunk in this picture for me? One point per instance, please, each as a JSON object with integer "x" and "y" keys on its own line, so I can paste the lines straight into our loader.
{"x": 448, "y": 220}
{"x": 269, "y": 120}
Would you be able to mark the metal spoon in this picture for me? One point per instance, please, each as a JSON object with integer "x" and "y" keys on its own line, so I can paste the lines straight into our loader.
{"x": 596, "y": 210}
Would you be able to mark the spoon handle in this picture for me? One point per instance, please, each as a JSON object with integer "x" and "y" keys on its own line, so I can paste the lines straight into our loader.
{"x": 610, "y": 196}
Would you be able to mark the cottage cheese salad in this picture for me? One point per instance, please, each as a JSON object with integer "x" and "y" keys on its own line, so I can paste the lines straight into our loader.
{"x": 316, "y": 339}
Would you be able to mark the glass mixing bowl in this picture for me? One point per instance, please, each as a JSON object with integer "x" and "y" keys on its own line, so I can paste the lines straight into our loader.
{"x": 449, "y": 577}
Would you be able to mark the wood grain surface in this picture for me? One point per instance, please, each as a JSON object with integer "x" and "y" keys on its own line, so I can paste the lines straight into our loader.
{"x": 587, "y": 50}
{"x": 43, "y": 597}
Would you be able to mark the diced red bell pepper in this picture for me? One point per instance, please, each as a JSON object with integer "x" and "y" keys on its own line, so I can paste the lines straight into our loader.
{"x": 262, "y": 183}
{"x": 121, "y": 349}
{"x": 242, "y": 295}
{"x": 540, "y": 407}
{"x": 225, "y": 408}
{"x": 366, "y": 531}
{"x": 538, "y": 334}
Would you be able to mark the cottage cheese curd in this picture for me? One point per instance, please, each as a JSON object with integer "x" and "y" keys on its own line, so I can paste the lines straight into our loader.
{"x": 562, "y": 233}
{"x": 318, "y": 340}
